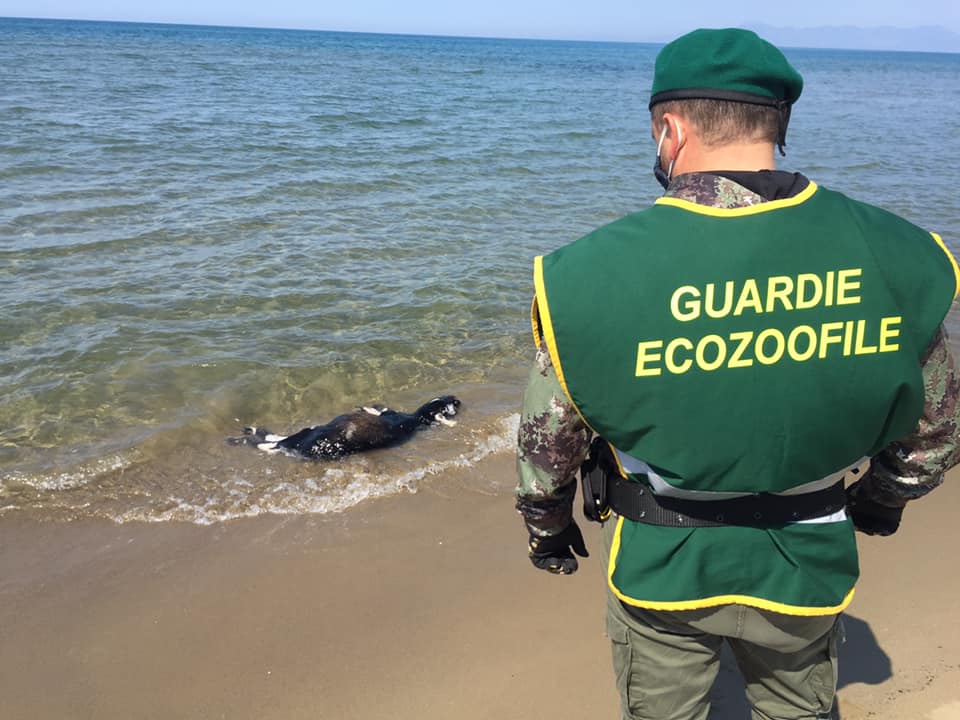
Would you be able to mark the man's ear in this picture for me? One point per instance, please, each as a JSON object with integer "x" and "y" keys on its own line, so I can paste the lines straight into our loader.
{"x": 676, "y": 136}
{"x": 677, "y": 130}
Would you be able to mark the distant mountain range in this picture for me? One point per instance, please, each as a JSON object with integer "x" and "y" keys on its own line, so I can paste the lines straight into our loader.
{"x": 931, "y": 38}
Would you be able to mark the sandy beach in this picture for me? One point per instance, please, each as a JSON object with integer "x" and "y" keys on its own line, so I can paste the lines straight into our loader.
{"x": 418, "y": 606}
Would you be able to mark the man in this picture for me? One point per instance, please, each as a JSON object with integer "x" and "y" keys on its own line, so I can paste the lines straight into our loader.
{"x": 741, "y": 348}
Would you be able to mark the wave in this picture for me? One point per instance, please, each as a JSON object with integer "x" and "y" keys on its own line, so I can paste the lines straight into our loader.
{"x": 282, "y": 487}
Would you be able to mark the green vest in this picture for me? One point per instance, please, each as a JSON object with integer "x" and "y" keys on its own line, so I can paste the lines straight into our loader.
{"x": 755, "y": 349}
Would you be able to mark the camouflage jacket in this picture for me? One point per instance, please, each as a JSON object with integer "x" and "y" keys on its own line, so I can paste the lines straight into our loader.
{"x": 553, "y": 439}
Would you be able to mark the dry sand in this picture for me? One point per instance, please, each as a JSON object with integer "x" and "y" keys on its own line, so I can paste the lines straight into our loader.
{"x": 422, "y": 606}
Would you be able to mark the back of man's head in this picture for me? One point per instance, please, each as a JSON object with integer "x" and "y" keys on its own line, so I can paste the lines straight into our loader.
{"x": 732, "y": 85}
{"x": 723, "y": 122}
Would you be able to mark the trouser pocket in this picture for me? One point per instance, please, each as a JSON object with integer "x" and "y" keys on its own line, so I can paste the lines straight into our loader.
{"x": 825, "y": 678}
{"x": 622, "y": 653}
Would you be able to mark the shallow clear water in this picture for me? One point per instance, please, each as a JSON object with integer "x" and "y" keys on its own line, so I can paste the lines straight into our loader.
{"x": 202, "y": 228}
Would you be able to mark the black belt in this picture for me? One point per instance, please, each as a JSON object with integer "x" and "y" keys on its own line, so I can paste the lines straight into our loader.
{"x": 604, "y": 489}
{"x": 635, "y": 502}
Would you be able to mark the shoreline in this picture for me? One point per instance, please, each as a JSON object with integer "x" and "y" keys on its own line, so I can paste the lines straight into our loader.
{"x": 417, "y": 606}
{"x": 188, "y": 472}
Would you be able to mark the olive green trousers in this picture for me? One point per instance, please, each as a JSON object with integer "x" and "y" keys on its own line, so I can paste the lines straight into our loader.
{"x": 666, "y": 662}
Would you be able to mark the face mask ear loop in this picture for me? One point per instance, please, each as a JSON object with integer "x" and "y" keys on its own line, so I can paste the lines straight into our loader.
{"x": 658, "y": 172}
{"x": 663, "y": 134}
{"x": 679, "y": 140}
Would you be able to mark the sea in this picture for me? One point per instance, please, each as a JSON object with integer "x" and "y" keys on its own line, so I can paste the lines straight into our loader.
{"x": 207, "y": 228}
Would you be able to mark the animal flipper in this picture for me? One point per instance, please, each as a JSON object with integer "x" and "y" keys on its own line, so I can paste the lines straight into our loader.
{"x": 252, "y": 436}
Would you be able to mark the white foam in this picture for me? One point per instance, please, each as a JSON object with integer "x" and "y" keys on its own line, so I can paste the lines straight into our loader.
{"x": 70, "y": 480}
{"x": 334, "y": 490}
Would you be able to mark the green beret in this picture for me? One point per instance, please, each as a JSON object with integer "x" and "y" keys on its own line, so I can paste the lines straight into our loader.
{"x": 729, "y": 64}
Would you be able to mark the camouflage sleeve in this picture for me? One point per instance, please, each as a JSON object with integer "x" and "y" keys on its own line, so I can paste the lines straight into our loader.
{"x": 551, "y": 445}
{"x": 914, "y": 465}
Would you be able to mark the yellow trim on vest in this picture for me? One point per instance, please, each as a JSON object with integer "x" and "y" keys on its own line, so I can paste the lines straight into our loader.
{"x": 546, "y": 324}
{"x": 545, "y": 327}
{"x": 535, "y": 323}
{"x": 616, "y": 458}
{"x": 763, "y": 207}
{"x": 953, "y": 262}
{"x": 702, "y": 603}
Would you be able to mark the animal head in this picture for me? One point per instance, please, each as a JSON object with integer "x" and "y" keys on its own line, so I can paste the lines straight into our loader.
{"x": 439, "y": 410}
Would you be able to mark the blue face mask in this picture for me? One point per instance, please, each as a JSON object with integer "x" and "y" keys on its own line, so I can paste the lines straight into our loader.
{"x": 663, "y": 176}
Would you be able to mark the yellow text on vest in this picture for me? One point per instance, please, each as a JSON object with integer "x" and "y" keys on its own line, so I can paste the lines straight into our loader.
{"x": 777, "y": 293}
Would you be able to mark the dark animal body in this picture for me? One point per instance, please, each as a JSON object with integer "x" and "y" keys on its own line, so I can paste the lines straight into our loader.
{"x": 364, "y": 429}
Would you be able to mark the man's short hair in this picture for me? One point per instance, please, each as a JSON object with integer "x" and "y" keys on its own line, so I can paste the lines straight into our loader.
{"x": 722, "y": 122}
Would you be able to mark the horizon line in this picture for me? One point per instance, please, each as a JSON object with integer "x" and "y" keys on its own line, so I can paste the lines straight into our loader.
{"x": 228, "y": 26}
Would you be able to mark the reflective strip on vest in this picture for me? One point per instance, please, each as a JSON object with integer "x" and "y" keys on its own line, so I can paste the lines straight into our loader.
{"x": 635, "y": 466}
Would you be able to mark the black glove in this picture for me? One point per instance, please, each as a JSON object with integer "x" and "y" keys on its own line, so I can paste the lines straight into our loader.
{"x": 555, "y": 553}
{"x": 869, "y": 516}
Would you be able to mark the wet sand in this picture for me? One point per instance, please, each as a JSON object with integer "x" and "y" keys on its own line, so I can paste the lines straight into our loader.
{"x": 419, "y": 606}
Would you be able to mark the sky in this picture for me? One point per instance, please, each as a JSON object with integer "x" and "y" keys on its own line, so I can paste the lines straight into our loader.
{"x": 630, "y": 20}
